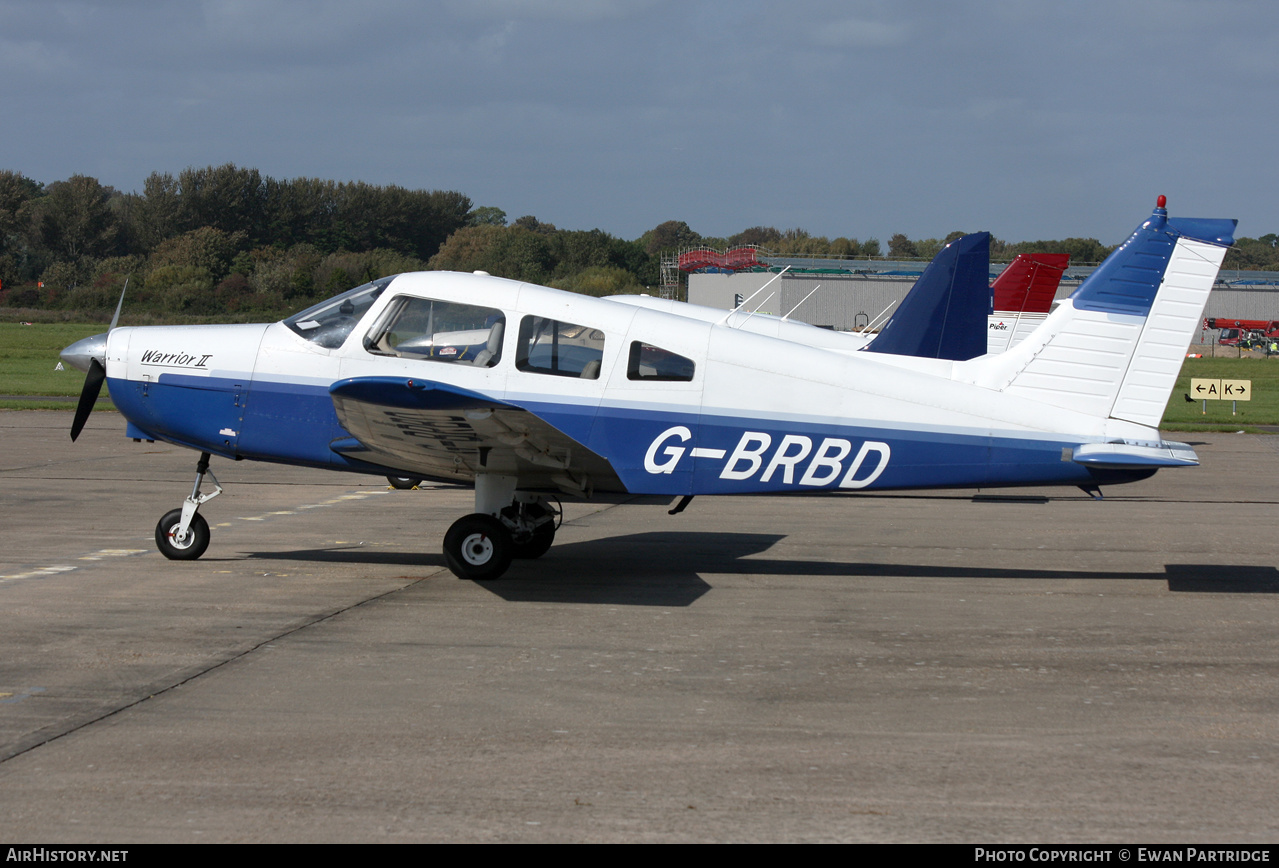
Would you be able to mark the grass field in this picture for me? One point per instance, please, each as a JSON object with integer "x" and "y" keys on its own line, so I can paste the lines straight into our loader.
{"x": 28, "y": 362}
{"x": 29, "y": 356}
{"x": 1263, "y": 409}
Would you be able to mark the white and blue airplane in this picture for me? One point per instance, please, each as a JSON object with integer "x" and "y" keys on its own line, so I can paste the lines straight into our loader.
{"x": 534, "y": 394}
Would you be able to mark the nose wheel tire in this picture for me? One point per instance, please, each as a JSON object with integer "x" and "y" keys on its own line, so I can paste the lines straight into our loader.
{"x": 184, "y": 548}
{"x": 478, "y": 547}
{"x": 404, "y": 483}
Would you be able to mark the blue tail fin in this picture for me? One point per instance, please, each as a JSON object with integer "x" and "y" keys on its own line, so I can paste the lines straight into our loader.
{"x": 944, "y": 314}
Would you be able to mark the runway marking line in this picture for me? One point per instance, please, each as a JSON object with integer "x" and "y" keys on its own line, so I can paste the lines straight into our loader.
{"x": 57, "y": 569}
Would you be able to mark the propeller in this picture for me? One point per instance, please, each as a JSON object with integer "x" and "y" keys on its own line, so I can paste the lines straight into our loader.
{"x": 90, "y": 355}
{"x": 88, "y": 396}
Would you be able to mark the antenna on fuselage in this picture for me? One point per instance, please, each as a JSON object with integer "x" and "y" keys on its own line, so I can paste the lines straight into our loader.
{"x": 756, "y": 310}
{"x": 752, "y": 295}
{"x": 801, "y": 301}
{"x": 876, "y": 320}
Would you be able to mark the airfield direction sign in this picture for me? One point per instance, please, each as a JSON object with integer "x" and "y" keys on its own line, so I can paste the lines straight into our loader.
{"x": 1236, "y": 390}
{"x": 1221, "y": 390}
{"x": 1205, "y": 390}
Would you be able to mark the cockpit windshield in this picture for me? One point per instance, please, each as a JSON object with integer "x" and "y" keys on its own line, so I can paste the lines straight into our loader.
{"x": 330, "y": 322}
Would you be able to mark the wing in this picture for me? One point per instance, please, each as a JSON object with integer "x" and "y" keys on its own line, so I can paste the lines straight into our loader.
{"x": 435, "y": 430}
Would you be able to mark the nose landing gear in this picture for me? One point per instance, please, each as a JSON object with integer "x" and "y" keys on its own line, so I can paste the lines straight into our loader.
{"x": 183, "y": 534}
{"x": 176, "y": 545}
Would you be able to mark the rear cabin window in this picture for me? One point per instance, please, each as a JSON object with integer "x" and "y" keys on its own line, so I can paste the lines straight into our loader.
{"x": 562, "y": 349}
{"x": 439, "y": 331}
{"x": 648, "y": 362}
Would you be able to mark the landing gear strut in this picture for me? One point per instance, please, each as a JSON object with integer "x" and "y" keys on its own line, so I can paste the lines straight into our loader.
{"x": 533, "y": 527}
{"x": 183, "y": 534}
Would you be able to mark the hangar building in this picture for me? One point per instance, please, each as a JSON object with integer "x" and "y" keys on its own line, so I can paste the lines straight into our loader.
{"x": 850, "y": 293}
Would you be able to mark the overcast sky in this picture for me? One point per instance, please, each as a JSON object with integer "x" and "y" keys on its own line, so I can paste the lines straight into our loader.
{"x": 1030, "y": 120}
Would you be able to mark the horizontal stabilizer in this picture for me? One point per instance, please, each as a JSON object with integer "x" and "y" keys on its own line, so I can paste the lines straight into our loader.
{"x": 1135, "y": 456}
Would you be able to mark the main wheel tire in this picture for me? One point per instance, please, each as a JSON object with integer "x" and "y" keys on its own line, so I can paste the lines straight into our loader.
{"x": 404, "y": 483}
{"x": 478, "y": 547}
{"x": 186, "y": 548}
{"x": 538, "y": 543}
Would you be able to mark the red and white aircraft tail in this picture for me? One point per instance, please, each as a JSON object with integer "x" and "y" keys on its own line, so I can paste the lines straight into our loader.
{"x": 1021, "y": 297}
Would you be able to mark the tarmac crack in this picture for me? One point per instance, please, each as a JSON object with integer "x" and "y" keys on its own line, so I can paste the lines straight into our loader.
{"x": 54, "y": 732}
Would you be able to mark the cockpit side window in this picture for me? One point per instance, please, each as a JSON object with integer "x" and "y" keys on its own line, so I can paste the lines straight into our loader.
{"x": 562, "y": 349}
{"x": 438, "y": 331}
{"x": 330, "y": 322}
{"x": 647, "y": 362}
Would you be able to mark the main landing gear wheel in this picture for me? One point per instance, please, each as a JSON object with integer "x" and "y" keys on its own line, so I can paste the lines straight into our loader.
{"x": 404, "y": 483}
{"x": 184, "y": 548}
{"x": 478, "y": 547}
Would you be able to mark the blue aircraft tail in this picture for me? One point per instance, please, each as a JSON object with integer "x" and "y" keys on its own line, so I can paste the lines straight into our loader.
{"x": 944, "y": 314}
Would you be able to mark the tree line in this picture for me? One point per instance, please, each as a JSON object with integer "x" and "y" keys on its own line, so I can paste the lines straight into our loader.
{"x": 227, "y": 240}
{"x": 209, "y": 240}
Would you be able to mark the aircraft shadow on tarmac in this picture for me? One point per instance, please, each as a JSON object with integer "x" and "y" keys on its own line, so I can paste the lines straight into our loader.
{"x": 664, "y": 569}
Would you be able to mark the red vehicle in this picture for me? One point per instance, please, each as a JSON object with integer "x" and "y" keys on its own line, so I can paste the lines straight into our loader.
{"x": 1235, "y": 330}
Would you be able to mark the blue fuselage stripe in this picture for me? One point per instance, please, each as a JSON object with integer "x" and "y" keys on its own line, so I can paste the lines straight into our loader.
{"x": 652, "y": 451}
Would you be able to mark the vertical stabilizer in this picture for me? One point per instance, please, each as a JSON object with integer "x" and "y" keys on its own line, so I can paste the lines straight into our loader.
{"x": 1029, "y": 283}
{"x": 943, "y": 315}
{"x": 1115, "y": 347}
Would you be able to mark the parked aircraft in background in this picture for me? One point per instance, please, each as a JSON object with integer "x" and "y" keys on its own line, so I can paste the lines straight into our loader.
{"x": 942, "y": 316}
{"x": 1021, "y": 297}
{"x": 571, "y": 396}
{"x": 950, "y": 312}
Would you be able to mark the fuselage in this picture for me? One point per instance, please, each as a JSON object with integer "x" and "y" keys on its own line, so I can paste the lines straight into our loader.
{"x": 675, "y": 405}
